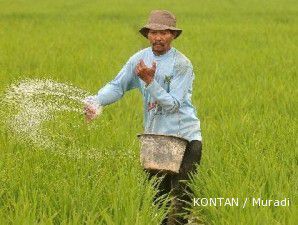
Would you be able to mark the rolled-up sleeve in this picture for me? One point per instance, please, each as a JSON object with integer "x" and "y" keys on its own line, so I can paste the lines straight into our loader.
{"x": 180, "y": 85}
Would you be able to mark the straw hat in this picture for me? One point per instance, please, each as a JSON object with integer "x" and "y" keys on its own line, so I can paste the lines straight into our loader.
{"x": 160, "y": 20}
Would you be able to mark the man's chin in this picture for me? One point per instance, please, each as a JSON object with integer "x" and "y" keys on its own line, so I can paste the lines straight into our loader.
{"x": 158, "y": 49}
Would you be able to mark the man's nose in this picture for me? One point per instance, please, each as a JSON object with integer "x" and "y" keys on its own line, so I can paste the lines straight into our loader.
{"x": 158, "y": 37}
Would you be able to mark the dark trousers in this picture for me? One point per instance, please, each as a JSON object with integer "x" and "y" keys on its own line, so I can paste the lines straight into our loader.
{"x": 176, "y": 184}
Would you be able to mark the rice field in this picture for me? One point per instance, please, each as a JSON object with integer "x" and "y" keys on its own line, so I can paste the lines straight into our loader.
{"x": 244, "y": 55}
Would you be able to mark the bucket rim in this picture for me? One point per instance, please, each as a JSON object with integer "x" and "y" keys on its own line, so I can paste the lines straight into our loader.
{"x": 161, "y": 135}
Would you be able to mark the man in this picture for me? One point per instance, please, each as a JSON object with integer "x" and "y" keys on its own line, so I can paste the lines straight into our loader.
{"x": 164, "y": 76}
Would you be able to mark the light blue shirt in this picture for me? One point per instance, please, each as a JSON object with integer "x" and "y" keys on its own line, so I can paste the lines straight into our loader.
{"x": 167, "y": 99}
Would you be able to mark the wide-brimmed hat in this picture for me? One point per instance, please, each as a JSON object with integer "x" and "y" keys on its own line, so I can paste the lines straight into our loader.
{"x": 160, "y": 20}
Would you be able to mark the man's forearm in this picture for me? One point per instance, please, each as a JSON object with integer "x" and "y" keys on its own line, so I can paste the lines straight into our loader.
{"x": 109, "y": 94}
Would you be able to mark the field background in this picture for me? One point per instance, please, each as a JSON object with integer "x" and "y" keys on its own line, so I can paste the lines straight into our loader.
{"x": 245, "y": 59}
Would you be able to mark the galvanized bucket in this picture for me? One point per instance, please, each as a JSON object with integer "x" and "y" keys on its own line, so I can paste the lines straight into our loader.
{"x": 162, "y": 152}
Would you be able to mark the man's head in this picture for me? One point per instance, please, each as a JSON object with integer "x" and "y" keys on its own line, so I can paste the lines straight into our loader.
{"x": 160, "y": 40}
{"x": 160, "y": 30}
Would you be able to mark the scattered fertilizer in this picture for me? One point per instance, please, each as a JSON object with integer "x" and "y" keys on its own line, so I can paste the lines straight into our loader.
{"x": 27, "y": 107}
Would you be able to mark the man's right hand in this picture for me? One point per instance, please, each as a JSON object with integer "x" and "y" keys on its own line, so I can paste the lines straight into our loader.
{"x": 90, "y": 112}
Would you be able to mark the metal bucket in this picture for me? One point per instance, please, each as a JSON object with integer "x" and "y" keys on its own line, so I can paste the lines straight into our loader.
{"x": 162, "y": 152}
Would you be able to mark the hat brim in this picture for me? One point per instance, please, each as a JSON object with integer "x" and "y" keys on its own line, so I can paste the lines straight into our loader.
{"x": 144, "y": 30}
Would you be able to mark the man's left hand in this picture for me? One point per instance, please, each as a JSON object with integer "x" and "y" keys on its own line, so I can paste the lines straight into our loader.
{"x": 144, "y": 72}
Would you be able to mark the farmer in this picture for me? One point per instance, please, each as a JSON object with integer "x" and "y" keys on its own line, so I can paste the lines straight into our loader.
{"x": 164, "y": 76}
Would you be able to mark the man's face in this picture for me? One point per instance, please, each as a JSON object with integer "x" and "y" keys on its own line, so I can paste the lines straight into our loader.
{"x": 160, "y": 40}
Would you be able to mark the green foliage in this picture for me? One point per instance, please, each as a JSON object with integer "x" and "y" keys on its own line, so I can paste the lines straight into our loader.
{"x": 245, "y": 58}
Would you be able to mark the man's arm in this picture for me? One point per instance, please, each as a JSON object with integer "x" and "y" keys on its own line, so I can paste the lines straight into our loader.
{"x": 115, "y": 89}
{"x": 112, "y": 91}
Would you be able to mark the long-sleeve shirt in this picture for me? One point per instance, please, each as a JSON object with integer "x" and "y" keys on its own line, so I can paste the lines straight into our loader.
{"x": 166, "y": 100}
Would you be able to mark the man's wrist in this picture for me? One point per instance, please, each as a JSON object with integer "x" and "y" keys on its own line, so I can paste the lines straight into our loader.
{"x": 148, "y": 82}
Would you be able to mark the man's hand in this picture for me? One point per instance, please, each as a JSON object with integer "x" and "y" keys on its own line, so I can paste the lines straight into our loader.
{"x": 144, "y": 72}
{"x": 90, "y": 112}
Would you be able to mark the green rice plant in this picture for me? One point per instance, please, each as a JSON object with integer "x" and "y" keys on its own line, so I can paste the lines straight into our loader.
{"x": 245, "y": 61}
